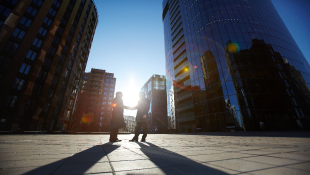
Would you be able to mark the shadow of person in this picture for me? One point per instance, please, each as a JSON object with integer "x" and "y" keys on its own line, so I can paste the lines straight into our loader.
{"x": 92, "y": 160}
{"x": 172, "y": 163}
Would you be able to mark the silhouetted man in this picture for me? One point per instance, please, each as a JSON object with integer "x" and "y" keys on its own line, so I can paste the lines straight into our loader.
{"x": 143, "y": 107}
{"x": 117, "y": 120}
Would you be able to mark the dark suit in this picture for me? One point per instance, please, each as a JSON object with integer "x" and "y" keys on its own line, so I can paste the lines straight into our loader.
{"x": 143, "y": 108}
{"x": 117, "y": 120}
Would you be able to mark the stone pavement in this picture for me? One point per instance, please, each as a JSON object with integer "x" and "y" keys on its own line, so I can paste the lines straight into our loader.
{"x": 207, "y": 153}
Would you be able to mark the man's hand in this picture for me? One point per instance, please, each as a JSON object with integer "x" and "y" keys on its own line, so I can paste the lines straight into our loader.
{"x": 144, "y": 116}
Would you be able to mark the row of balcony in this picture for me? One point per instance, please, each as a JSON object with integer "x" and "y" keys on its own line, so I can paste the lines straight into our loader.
{"x": 179, "y": 60}
{"x": 181, "y": 67}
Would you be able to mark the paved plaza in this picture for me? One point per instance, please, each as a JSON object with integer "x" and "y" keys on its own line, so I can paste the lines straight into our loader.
{"x": 208, "y": 153}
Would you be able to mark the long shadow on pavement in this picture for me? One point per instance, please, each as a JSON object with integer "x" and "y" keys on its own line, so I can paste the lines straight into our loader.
{"x": 92, "y": 160}
{"x": 301, "y": 134}
{"x": 172, "y": 163}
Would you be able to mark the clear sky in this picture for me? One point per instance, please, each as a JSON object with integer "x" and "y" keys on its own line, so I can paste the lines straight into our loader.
{"x": 129, "y": 40}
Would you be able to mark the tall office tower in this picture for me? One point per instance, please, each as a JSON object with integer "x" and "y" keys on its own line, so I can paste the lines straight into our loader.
{"x": 93, "y": 108}
{"x": 155, "y": 89}
{"x": 43, "y": 51}
{"x": 233, "y": 65}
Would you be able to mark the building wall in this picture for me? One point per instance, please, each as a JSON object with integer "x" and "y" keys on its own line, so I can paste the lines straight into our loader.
{"x": 44, "y": 50}
{"x": 155, "y": 89}
{"x": 93, "y": 109}
{"x": 130, "y": 124}
{"x": 215, "y": 54}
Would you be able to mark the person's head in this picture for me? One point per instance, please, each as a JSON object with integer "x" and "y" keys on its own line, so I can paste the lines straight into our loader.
{"x": 118, "y": 95}
{"x": 142, "y": 95}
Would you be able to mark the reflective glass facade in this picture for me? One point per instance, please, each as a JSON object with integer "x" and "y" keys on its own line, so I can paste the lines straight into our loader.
{"x": 233, "y": 65}
{"x": 155, "y": 90}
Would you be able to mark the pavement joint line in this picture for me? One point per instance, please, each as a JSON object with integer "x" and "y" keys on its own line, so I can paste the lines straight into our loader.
{"x": 225, "y": 168}
{"x": 277, "y": 166}
{"x": 112, "y": 168}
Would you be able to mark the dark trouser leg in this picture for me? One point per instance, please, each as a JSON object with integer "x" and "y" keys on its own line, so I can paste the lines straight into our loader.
{"x": 144, "y": 125}
{"x": 138, "y": 127}
{"x": 113, "y": 133}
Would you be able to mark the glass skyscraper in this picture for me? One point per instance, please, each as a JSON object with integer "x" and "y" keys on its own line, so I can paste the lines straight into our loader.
{"x": 233, "y": 65}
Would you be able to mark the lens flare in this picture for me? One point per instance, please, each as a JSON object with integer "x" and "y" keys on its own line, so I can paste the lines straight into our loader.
{"x": 233, "y": 47}
{"x": 87, "y": 118}
{"x": 114, "y": 104}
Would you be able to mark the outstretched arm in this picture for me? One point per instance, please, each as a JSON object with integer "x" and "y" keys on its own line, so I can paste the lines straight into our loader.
{"x": 131, "y": 107}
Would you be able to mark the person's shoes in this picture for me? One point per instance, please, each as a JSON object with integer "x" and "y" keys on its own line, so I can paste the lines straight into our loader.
{"x": 118, "y": 140}
{"x": 133, "y": 140}
{"x": 142, "y": 140}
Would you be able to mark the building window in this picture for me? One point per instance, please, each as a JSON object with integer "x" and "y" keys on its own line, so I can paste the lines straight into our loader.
{"x": 107, "y": 76}
{"x": 24, "y": 69}
{"x": 51, "y": 50}
{"x": 38, "y": 2}
{"x": 112, "y": 81}
{"x": 107, "y": 84}
{"x": 42, "y": 75}
{"x": 54, "y": 81}
{"x": 104, "y": 98}
{"x": 47, "y": 62}
{"x": 106, "y": 80}
{"x": 11, "y": 46}
{"x": 63, "y": 22}
{"x": 110, "y": 94}
{"x": 112, "y": 85}
{"x": 37, "y": 42}
{"x": 36, "y": 89}
{"x": 111, "y": 89}
{"x": 11, "y": 101}
{"x": 52, "y": 12}
{"x": 109, "y": 103}
{"x": 105, "y": 93}
{"x": 110, "y": 98}
{"x": 106, "y": 89}
{"x": 86, "y": 77}
{"x": 18, "y": 84}
{"x": 25, "y": 21}
{"x": 13, "y": 2}
{"x": 32, "y": 11}
{"x": 47, "y": 21}
{"x": 104, "y": 103}
{"x": 56, "y": 3}
{"x": 56, "y": 40}
{"x": 5, "y": 11}
{"x": 19, "y": 33}
{"x": 42, "y": 31}
{"x": 31, "y": 55}
{"x": 60, "y": 30}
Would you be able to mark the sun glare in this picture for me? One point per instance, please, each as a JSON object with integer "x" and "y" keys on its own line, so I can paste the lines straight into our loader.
{"x": 131, "y": 94}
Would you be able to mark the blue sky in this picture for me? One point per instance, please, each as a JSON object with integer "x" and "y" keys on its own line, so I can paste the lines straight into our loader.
{"x": 129, "y": 40}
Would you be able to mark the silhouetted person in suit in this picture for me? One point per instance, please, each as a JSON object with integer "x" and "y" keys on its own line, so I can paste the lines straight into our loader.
{"x": 143, "y": 107}
{"x": 117, "y": 120}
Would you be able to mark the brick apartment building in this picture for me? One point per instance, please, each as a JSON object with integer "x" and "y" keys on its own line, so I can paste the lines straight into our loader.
{"x": 44, "y": 49}
{"x": 93, "y": 109}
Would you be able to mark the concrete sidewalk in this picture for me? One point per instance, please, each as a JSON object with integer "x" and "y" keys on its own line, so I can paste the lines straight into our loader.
{"x": 161, "y": 154}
